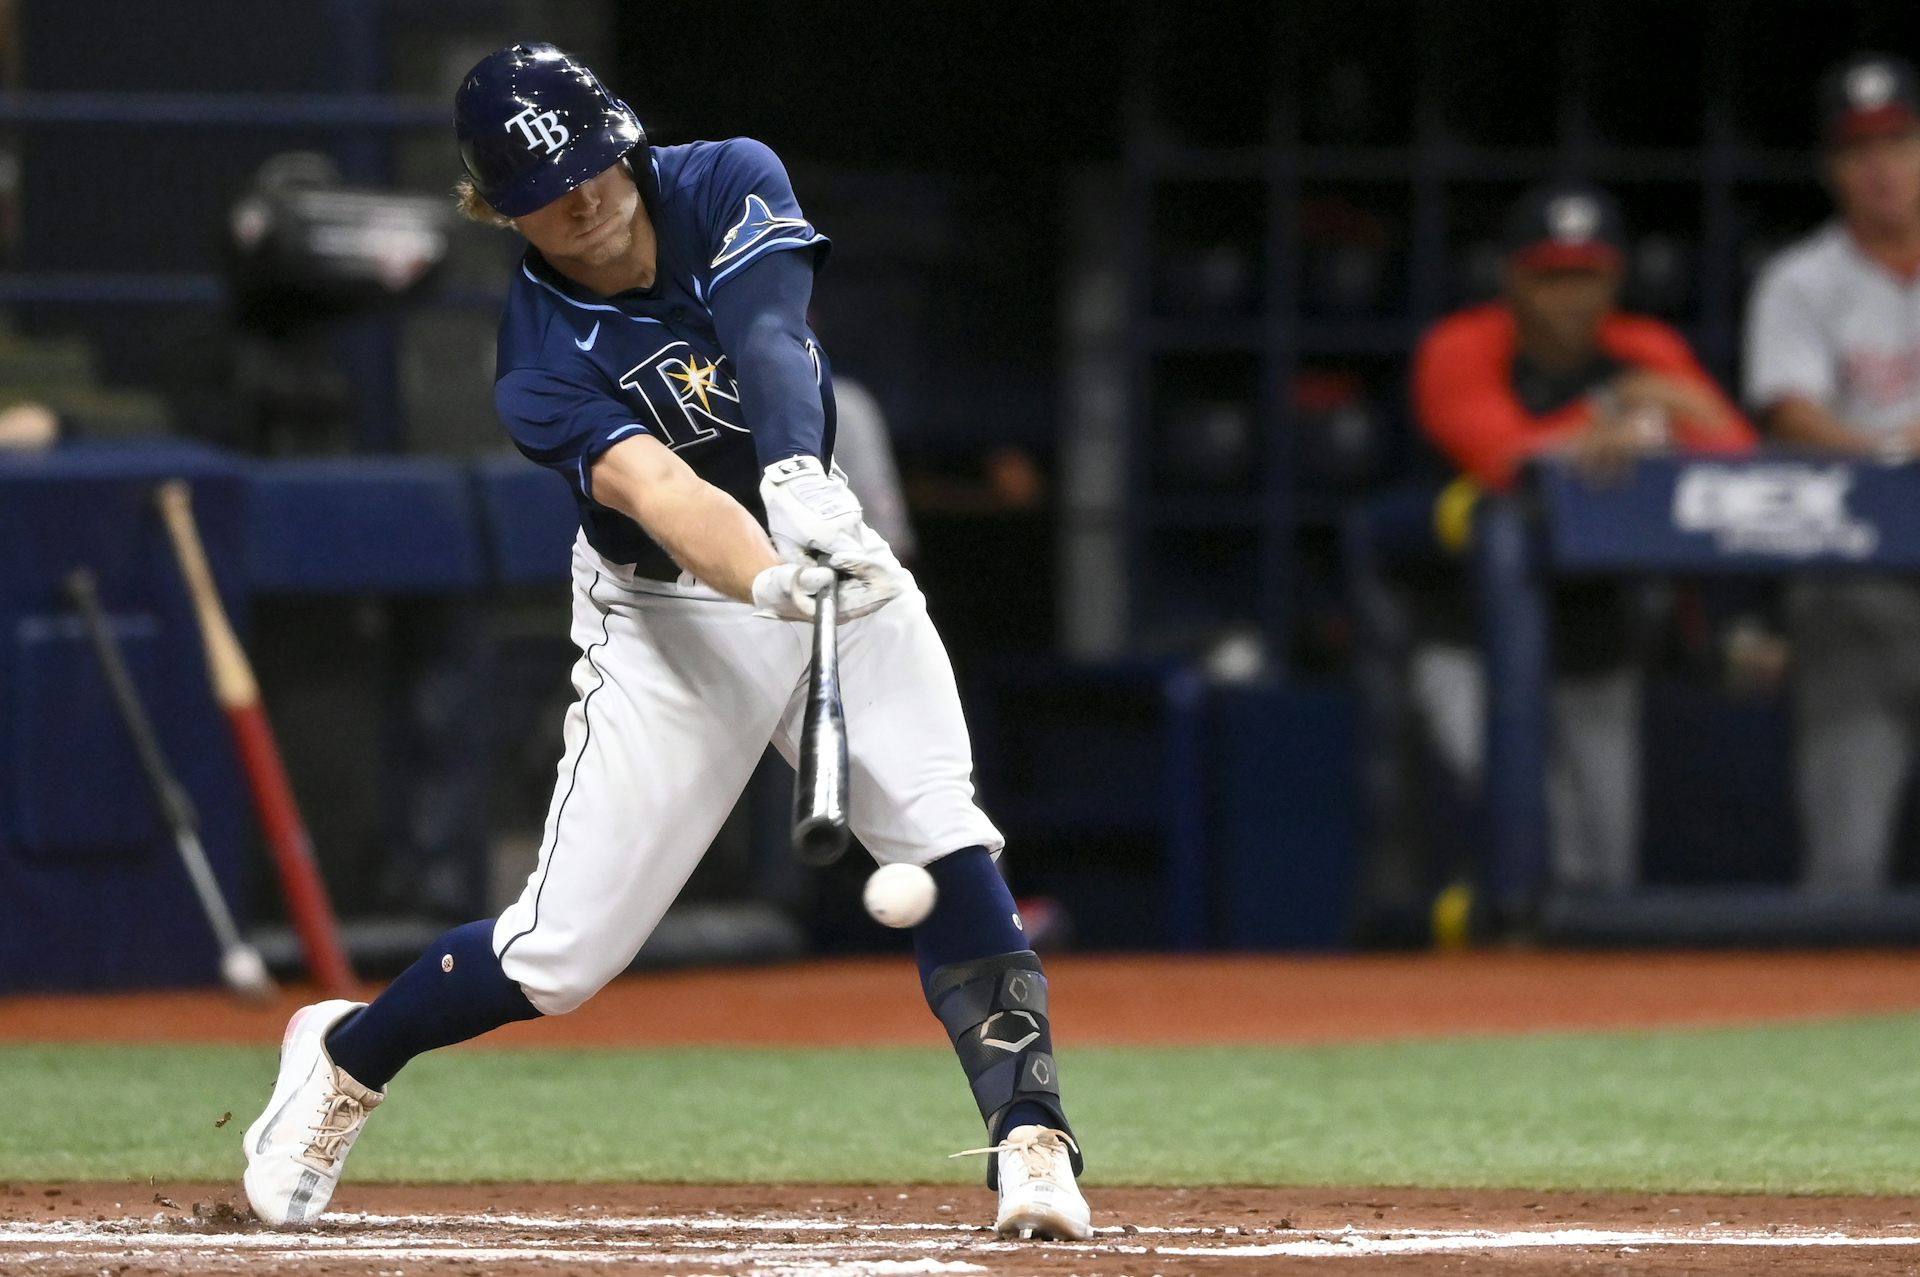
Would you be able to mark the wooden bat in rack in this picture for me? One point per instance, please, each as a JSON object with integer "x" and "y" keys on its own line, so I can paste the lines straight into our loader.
{"x": 238, "y": 693}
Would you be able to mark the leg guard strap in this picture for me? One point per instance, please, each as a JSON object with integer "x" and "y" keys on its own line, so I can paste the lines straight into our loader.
{"x": 995, "y": 1012}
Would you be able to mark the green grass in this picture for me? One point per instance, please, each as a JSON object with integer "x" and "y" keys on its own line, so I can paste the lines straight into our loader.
{"x": 1831, "y": 1108}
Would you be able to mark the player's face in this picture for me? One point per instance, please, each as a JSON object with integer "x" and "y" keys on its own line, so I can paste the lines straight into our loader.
{"x": 1877, "y": 180}
{"x": 591, "y": 225}
{"x": 1563, "y": 307}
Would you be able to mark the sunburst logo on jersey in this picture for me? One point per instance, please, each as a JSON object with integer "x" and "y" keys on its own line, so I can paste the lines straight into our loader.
{"x": 697, "y": 380}
{"x": 687, "y": 393}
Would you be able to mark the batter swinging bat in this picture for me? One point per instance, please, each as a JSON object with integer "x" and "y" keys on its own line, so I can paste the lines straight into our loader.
{"x": 240, "y": 964}
{"x": 239, "y": 695}
{"x": 820, "y": 778}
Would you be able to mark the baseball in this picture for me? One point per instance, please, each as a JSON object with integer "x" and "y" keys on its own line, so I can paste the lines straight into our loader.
{"x": 899, "y": 895}
{"x": 245, "y": 973}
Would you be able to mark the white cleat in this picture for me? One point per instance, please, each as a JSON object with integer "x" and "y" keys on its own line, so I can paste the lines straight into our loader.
{"x": 297, "y": 1148}
{"x": 1038, "y": 1197}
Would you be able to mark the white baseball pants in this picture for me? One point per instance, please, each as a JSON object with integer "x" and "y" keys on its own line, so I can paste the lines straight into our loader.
{"x": 680, "y": 689}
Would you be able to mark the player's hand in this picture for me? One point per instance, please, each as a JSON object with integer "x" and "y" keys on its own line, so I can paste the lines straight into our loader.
{"x": 1674, "y": 397}
{"x": 788, "y": 591}
{"x": 810, "y": 510}
{"x": 1603, "y": 453}
{"x": 870, "y": 575}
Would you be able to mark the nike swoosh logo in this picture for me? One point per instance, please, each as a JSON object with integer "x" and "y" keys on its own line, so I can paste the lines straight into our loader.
{"x": 266, "y": 1132}
{"x": 591, "y": 337}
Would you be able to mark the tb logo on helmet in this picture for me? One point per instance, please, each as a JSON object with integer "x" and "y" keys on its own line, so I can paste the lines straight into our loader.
{"x": 541, "y": 129}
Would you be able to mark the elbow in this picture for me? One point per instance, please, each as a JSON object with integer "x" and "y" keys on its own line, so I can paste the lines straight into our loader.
{"x": 768, "y": 338}
{"x": 635, "y": 477}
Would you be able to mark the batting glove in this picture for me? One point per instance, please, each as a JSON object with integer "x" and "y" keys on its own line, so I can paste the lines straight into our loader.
{"x": 870, "y": 575}
{"x": 787, "y": 591}
{"x": 809, "y": 510}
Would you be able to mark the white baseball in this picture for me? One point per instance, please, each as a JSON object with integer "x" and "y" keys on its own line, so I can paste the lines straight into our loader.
{"x": 245, "y": 973}
{"x": 899, "y": 895}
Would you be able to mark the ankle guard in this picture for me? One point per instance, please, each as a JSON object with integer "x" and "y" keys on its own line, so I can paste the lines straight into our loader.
{"x": 995, "y": 1011}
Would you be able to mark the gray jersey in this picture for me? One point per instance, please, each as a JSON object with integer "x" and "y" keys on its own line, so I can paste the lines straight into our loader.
{"x": 1828, "y": 322}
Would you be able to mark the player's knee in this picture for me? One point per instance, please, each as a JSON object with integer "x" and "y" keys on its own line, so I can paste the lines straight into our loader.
{"x": 556, "y": 992}
{"x": 562, "y": 996}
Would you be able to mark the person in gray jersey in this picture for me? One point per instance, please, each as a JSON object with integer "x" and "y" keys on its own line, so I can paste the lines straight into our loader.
{"x": 864, "y": 450}
{"x": 1833, "y": 364}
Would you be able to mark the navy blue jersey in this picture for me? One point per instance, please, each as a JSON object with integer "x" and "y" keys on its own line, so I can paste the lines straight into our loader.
{"x": 578, "y": 372}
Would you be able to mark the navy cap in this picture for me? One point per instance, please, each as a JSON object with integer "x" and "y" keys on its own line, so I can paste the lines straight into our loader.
{"x": 1566, "y": 226}
{"x": 1868, "y": 95}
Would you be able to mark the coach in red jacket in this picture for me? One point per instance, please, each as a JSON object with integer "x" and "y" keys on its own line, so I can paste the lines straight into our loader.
{"x": 1553, "y": 366}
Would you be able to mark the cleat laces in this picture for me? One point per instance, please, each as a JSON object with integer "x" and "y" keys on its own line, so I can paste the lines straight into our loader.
{"x": 339, "y": 1119}
{"x": 1037, "y": 1151}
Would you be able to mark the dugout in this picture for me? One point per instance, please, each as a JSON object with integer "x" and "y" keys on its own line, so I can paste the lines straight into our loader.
{"x": 92, "y": 894}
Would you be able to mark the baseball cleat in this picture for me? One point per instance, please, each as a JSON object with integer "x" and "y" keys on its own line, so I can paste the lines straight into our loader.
{"x": 1038, "y": 1197}
{"x": 297, "y": 1148}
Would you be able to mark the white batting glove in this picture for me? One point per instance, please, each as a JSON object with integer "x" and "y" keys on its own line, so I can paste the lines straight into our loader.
{"x": 786, "y": 591}
{"x": 809, "y": 510}
{"x": 870, "y": 575}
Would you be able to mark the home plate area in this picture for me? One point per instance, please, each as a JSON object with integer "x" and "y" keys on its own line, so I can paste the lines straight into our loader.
{"x": 88, "y": 1230}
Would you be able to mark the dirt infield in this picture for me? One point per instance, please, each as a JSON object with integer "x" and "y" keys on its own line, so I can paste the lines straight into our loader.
{"x": 123, "y": 1230}
{"x": 497, "y": 1231}
{"x": 1113, "y": 1001}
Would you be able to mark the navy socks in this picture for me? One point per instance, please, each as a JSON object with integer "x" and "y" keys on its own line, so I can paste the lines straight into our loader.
{"x": 973, "y": 917}
{"x": 454, "y": 991}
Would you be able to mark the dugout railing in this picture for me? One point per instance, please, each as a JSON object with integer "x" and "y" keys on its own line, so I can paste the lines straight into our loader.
{"x": 1769, "y": 515}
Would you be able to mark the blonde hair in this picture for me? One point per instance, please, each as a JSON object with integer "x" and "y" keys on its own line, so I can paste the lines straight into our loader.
{"x": 476, "y": 209}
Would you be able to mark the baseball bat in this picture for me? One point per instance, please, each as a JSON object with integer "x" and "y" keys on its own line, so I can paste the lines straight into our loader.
{"x": 238, "y": 693}
{"x": 820, "y": 778}
{"x": 240, "y": 964}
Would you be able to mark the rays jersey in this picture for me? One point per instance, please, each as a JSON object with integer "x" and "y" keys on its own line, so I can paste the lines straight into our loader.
{"x": 577, "y": 372}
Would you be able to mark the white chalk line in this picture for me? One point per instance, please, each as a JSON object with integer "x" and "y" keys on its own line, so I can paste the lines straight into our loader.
{"x": 413, "y": 1237}
{"x": 526, "y": 1254}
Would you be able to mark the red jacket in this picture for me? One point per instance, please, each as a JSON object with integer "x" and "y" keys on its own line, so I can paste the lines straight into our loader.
{"x": 1464, "y": 398}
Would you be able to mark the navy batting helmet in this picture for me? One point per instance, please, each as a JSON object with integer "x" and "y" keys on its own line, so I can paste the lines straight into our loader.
{"x": 534, "y": 122}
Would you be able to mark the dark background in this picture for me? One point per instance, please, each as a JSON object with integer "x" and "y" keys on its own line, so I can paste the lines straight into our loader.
{"x": 1174, "y": 256}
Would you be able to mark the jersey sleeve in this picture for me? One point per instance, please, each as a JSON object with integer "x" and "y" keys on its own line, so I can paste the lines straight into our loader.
{"x": 1786, "y": 351}
{"x": 563, "y": 424}
{"x": 1466, "y": 405}
{"x": 750, "y": 211}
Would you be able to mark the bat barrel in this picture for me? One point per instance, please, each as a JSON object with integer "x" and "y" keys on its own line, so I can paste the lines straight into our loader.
{"x": 820, "y": 787}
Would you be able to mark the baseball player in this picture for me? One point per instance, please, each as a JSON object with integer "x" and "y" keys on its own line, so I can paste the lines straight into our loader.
{"x": 654, "y": 351}
{"x": 1833, "y": 363}
{"x": 1554, "y": 366}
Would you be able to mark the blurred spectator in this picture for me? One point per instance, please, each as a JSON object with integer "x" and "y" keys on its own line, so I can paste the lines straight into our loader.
{"x": 1833, "y": 363}
{"x": 862, "y": 449}
{"x": 1553, "y": 367}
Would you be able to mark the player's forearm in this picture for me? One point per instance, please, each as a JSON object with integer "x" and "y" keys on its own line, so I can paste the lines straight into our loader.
{"x": 1801, "y": 423}
{"x": 709, "y": 534}
{"x": 760, "y": 316}
{"x": 706, "y": 531}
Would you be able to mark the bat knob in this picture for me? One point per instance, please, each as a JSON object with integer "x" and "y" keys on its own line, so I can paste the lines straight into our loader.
{"x": 819, "y": 842}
